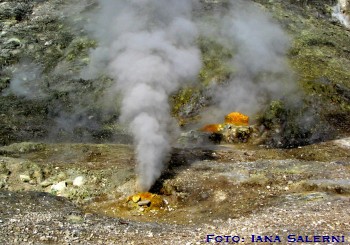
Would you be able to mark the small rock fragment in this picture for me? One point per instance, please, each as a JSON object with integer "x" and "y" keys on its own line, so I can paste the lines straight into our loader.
{"x": 24, "y": 178}
{"x": 79, "y": 181}
{"x": 136, "y": 198}
{"x": 59, "y": 186}
{"x": 144, "y": 202}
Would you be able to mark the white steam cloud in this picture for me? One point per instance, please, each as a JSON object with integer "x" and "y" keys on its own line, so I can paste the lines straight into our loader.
{"x": 261, "y": 72}
{"x": 148, "y": 48}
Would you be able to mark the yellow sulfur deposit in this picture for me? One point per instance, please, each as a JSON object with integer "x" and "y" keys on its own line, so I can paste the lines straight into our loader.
{"x": 136, "y": 198}
{"x": 212, "y": 128}
{"x": 146, "y": 199}
{"x": 141, "y": 196}
{"x": 237, "y": 119}
{"x": 234, "y": 118}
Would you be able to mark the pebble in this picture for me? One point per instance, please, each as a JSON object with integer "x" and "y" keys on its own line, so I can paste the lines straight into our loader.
{"x": 144, "y": 202}
{"x": 60, "y": 186}
{"x": 24, "y": 178}
{"x": 136, "y": 198}
{"x": 75, "y": 218}
{"x": 47, "y": 43}
{"x": 79, "y": 181}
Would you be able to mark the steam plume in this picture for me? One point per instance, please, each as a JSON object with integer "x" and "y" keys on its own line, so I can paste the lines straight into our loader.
{"x": 261, "y": 72}
{"x": 148, "y": 48}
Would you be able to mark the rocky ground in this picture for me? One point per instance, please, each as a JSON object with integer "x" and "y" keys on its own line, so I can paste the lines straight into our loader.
{"x": 293, "y": 179}
{"x": 238, "y": 190}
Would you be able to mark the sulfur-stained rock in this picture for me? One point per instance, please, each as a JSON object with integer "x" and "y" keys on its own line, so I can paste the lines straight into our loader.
{"x": 135, "y": 198}
{"x": 235, "y": 134}
{"x": 156, "y": 202}
{"x": 147, "y": 200}
{"x": 235, "y": 129}
{"x": 212, "y": 128}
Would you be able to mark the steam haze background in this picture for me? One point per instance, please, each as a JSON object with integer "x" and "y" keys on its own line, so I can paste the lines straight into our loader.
{"x": 261, "y": 72}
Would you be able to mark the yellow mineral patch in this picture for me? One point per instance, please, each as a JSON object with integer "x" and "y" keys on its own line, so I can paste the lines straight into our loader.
{"x": 237, "y": 119}
{"x": 157, "y": 201}
{"x": 146, "y": 199}
{"x": 146, "y": 196}
{"x": 135, "y": 198}
{"x": 212, "y": 128}
{"x": 233, "y": 118}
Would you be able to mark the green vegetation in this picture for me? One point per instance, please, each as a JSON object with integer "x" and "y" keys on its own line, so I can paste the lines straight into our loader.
{"x": 319, "y": 56}
{"x": 214, "y": 57}
{"x": 79, "y": 48}
{"x": 188, "y": 102}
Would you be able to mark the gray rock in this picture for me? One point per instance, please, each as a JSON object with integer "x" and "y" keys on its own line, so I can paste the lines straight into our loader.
{"x": 79, "y": 181}
{"x": 144, "y": 202}
{"x": 59, "y": 187}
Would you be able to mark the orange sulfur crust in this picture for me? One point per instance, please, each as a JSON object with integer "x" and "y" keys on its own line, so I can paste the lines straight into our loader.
{"x": 212, "y": 128}
{"x": 141, "y": 196}
{"x": 237, "y": 119}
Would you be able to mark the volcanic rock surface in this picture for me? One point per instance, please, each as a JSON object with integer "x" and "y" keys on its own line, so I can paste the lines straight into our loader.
{"x": 227, "y": 189}
{"x": 294, "y": 181}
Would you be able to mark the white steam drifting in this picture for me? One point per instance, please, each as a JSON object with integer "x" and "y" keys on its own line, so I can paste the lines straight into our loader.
{"x": 148, "y": 48}
{"x": 24, "y": 81}
{"x": 260, "y": 69}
